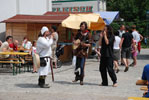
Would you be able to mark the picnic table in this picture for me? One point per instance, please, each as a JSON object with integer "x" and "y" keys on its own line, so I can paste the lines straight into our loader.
{"x": 16, "y": 59}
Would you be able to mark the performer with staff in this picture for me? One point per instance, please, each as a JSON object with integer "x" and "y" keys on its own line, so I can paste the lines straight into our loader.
{"x": 44, "y": 43}
{"x": 82, "y": 40}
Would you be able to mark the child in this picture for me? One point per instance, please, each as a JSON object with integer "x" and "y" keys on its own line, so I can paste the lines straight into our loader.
{"x": 33, "y": 52}
{"x": 134, "y": 53}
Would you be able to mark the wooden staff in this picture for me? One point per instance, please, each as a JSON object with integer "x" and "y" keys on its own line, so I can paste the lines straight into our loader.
{"x": 51, "y": 65}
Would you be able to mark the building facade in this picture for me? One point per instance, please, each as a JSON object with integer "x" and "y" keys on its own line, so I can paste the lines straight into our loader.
{"x": 78, "y": 5}
{"x": 10, "y": 8}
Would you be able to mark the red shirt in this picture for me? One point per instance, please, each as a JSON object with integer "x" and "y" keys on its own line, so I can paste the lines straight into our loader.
{"x": 15, "y": 48}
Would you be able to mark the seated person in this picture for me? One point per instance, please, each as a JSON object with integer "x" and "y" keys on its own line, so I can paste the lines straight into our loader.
{"x": 0, "y": 43}
{"x": 145, "y": 77}
{"x": 14, "y": 45}
{"x": 26, "y": 45}
{"x": 5, "y": 46}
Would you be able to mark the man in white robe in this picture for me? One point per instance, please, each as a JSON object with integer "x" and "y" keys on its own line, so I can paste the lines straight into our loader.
{"x": 44, "y": 43}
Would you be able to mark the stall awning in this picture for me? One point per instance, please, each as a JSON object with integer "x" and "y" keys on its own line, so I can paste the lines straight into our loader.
{"x": 108, "y": 16}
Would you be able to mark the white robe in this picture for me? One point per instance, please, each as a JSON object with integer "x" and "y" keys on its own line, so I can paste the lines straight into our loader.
{"x": 44, "y": 49}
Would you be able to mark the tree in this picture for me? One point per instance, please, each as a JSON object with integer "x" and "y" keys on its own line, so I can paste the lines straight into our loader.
{"x": 133, "y": 11}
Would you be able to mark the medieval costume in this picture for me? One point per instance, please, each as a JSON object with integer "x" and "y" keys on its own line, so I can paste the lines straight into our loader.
{"x": 81, "y": 54}
{"x": 44, "y": 51}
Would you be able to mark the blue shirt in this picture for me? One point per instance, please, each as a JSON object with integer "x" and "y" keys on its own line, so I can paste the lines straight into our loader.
{"x": 145, "y": 76}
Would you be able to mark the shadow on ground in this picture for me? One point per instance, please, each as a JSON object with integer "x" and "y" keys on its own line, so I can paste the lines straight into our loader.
{"x": 143, "y": 57}
{"x": 27, "y": 85}
{"x": 75, "y": 83}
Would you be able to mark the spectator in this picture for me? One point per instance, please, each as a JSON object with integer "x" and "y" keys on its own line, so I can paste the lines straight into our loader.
{"x": 0, "y": 43}
{"x": 121, "y": 30}
{"x": 116, "y": 51}
{"x": 145, "y": 41}
{"x": 134, "y": 53}
{"x": 5, "y": 46}
{"x": 33, "y": 52}
{"x": 54, "y": 45}
{"x": 145, "y": 77}
{"x": 139, "y": 43}
{"x": 126, "y": 42}
{"x": 95, "y": 38}
{"x": 135, "y": 34}
{"x": 26, "y": 44}
{"x": 14, "y": 45}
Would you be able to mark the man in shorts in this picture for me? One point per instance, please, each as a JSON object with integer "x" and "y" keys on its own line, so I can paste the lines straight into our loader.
{"x": 126, "y": 42}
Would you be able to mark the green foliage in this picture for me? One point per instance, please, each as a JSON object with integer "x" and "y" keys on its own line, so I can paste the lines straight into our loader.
{"x": 130, "y": 10}
{"x": 133, "y": 12}
{"x": 115, "y": 26}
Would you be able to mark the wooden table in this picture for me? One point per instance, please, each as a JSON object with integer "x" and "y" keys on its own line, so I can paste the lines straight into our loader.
{"x": 14, "y": 53}
{"x": 14, "y": 62}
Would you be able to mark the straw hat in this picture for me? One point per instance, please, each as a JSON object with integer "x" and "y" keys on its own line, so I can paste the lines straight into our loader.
{"x": 36, "y": 60}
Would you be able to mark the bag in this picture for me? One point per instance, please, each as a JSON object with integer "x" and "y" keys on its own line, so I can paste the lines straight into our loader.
{"x": 43, "y": 62}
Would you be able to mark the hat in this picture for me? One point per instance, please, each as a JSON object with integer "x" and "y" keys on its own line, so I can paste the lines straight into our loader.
{"x": 36, "y": 60}
{"x": 44, "y": 29}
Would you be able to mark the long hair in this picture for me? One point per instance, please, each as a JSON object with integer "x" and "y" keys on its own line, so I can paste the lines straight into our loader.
{"x": 109, "y": 31}
{"x": 84, "y": 24}
{"x": 34, "y": 42}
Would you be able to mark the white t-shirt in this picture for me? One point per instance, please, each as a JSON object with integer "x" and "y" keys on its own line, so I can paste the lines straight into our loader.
{"x": 6, "y": 46}
{"x": 33, "y": 50}
{"x": 27, "y": 45}
{"x": 55, "y": 38}
{"x": 136, "y": 36}
{"x": 121, "y": 33}
{"x": 117, "y": 42}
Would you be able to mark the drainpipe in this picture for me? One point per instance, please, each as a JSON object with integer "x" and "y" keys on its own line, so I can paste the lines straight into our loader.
{"x": 47, "y": 5}
{"x": 17, "y": 7}
{"x": 98, "y": 7}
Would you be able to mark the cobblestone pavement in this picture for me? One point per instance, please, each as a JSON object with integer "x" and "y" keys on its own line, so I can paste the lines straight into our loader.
{"x": 24, "y": 86}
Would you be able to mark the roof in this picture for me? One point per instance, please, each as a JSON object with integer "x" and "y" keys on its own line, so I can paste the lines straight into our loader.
{"x": 64, "y": 13}
{"x": 35, "y": 19}
{"x": 48, "y": 17}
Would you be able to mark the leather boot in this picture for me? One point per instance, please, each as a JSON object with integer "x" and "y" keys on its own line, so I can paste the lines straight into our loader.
{"x": 39, "y": 81}
{"x": 43, "y": 85}
{"x": 77, "y": 77}
{"x": 81, "y": 80}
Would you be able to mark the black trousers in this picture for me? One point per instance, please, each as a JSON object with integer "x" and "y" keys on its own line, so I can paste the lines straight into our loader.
{"x": 106, "y": 64}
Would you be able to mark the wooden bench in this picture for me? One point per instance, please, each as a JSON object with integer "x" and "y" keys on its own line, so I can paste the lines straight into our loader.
{"x": 137, "y": 98}
{"x": 141, "y": 82}
{"x": 29, "y": 62}
{"x": 14, "y": 63}
{"x": 8, "y": 59}
{"x": 144, "y": 88}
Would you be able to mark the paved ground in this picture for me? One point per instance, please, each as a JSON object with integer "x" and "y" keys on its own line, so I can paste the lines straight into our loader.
{"x": 24, "y": 86}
